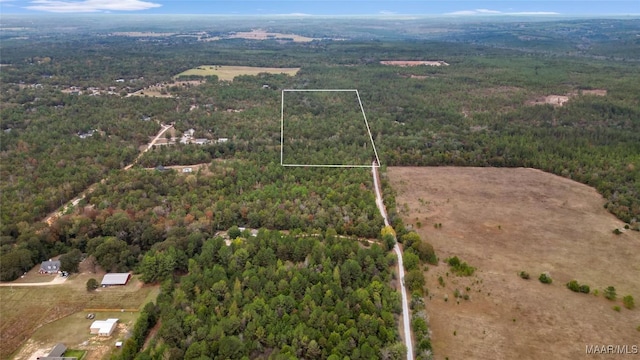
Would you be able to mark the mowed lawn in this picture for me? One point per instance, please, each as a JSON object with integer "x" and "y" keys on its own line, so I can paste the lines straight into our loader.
{"x": 227, "y": 73}
{"x": 23, "y": 310}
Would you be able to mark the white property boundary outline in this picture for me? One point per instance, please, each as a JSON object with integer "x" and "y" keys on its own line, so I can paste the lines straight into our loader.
{"x": 377, "y": 162}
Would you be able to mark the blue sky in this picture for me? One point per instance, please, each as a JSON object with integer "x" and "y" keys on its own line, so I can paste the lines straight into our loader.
{"x": 325, "y": 7}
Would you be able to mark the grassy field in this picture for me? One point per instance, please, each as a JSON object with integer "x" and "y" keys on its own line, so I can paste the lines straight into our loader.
{"x": 27, "y": 309}
{"x": 503, "y": 221}
{"x": 227, "y": 73}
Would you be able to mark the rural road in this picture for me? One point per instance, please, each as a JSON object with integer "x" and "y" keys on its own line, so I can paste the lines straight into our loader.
{"x": 56, "y": 281}
{"x": 405, "y": 303}
{"x": 150, "y": 145}
{"x": 56, "y": 214}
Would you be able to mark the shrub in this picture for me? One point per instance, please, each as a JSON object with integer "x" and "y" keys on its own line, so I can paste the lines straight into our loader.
{"x": 617, "y": 231}
{"x": 610, "y": 293}
{"x": 524, "y": 275}
{"x": 414, "y": 280}
{"x": 574, "y": 286}
{"x": 441, "y": 281}
{"x": 425, "y": 251}
{"x": 628, "y": 302}
{"x": 616, "y": 308}
{"x": 459, "y": 267}
{"x": 410, "y": 260}
{"x": 545, "y": 279}
{"x": 453, "y": 262}
{"x": 92, "y": 284}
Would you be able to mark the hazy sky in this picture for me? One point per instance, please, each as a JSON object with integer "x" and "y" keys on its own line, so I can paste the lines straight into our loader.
{"x": 325, "y": 7}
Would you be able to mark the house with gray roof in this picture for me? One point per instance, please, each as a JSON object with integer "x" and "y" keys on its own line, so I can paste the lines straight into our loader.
{"x": 56, "y": 353}
{"x": 50, "y": 267}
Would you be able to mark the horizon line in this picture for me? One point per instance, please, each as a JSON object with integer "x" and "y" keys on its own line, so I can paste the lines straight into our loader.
{"x": 399, "y": 15}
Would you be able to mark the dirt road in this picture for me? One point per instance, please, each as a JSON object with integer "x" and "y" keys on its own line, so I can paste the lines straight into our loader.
{"x": 56, "y": 214}
{"x": 405, "y": 303}
{"x": 56, "y": 281}
{"x": 150, "y": 145}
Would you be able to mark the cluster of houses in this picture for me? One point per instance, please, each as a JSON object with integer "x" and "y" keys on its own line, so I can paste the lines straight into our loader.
{"x": 91, "y": 91}
{"x": 188, "y": 138}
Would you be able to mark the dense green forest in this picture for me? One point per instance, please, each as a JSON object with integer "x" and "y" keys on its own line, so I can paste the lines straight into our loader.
{"x": 283, "y": 297}
{"x": 68, "y": 123}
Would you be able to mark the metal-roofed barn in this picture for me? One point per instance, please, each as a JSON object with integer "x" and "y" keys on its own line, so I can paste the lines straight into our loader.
{"x": 111, "y": 279}
{"x": 103, "y": 327}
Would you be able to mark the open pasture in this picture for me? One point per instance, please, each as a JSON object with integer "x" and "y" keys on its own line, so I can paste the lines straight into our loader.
{"x": 504, "y": 221}
{"x": 228, "y": 73}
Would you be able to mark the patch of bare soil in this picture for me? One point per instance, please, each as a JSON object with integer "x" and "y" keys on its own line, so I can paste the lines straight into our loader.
{"x": 559, "y": 100}
{"x": 32, "y": 351}
{"x": 405, "y": 63}
{"x": 503, "y": 221}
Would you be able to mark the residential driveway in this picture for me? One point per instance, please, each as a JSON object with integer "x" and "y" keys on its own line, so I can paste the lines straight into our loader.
{"x": 56, "y": 281}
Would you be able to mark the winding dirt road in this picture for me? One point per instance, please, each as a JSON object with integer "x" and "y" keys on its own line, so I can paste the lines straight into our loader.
{"x": 405, "y": 303}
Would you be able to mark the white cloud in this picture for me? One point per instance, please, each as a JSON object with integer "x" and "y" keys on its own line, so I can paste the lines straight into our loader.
{"x": 90, "y": 5}
{"x": 496, "y": 12}
{"x": 487, "y": 11}
{"x": 387, "y": 12}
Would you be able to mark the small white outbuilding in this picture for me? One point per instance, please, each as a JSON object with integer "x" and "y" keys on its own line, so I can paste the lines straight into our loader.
{"x": 103, "y": 327}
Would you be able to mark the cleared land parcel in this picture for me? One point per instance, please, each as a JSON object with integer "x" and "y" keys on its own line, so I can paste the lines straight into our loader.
{"x": 227, "y": 73}
{"x": 503, "y": 221}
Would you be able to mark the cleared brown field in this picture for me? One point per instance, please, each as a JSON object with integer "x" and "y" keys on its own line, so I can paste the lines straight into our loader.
{"x": 503, "y": 221}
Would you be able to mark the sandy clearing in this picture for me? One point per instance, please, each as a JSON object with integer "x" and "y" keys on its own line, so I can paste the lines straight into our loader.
{"x": 405, "y": 63}
{"x": 503, "y": 221}
{"x": 560, "y": 100}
